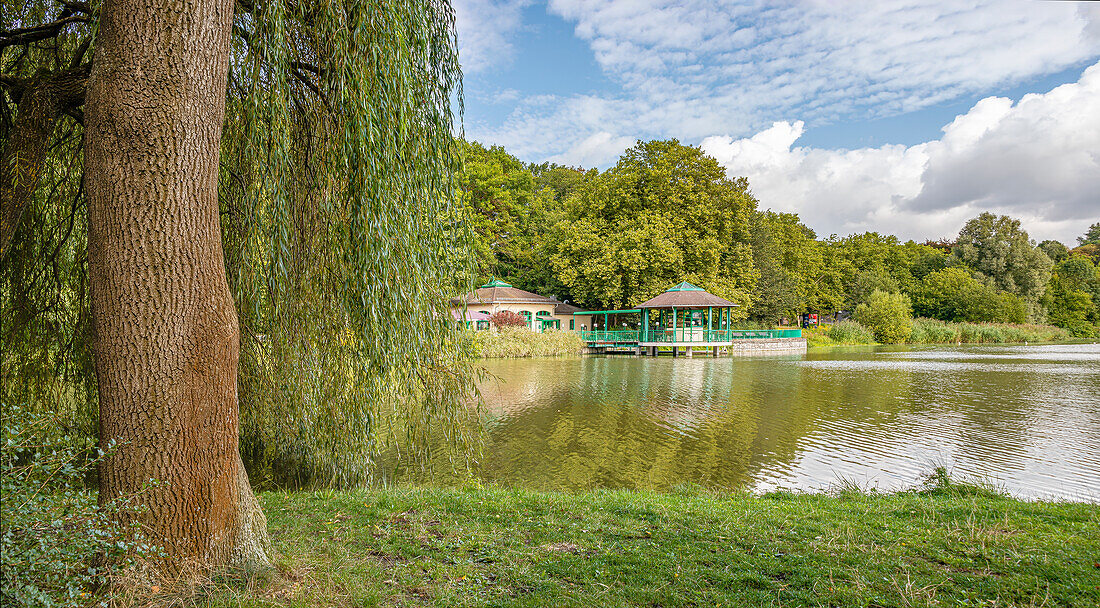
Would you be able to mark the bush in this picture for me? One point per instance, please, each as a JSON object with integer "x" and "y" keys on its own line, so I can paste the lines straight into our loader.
{"x": 507, "y": 318}
{"x": 54, "y": 539}
{"x": 887, "y": 315}
{"x": 850, "y": 332}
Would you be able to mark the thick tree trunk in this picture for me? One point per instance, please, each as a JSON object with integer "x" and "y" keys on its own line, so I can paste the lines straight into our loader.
{"x": 166, "y": 339}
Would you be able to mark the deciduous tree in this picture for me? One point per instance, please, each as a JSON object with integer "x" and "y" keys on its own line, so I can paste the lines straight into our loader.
{"x": 998, "y": 250}
{"x": 665, "y": 213}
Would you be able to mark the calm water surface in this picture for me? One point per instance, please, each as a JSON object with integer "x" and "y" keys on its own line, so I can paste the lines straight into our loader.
{"x": 1025, "y": 417}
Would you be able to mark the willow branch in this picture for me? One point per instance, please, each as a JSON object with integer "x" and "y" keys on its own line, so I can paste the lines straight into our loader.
{"x": 24, "y": 154}
{"x": 27, "y": 35}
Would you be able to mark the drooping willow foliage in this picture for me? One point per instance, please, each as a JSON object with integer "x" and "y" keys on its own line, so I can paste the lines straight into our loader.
{"x": 341, "y": 238}
{"x": 45, "y": 360}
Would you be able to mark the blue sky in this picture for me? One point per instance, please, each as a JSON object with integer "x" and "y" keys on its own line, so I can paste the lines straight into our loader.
{"x": 901, "y": 117}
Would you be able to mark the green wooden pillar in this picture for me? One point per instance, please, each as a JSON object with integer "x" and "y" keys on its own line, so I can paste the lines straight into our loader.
{"x": 673, "y": 324}
{"x": 710, "y": 311}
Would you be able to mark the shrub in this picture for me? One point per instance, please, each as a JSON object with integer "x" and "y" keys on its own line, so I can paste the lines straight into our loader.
{"x": 507, "y": 318}
{"x": 850, "y": 332}
{"x": 887, "y": 315}
{"x": 54, "y": 539}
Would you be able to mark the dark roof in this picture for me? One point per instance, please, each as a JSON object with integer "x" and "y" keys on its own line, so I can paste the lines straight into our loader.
{"x": 497, "y": 291}
{"x": 686, "y": 295}
{"x": 561, "y": 308}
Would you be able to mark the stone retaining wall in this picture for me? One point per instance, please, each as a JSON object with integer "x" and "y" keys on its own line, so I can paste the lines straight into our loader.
{"x": 767, "y": 345}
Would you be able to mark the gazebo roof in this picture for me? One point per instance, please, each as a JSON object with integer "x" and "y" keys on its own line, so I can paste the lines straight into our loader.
{"x": 499, "y": 292}
{"x": 686, "y": 295}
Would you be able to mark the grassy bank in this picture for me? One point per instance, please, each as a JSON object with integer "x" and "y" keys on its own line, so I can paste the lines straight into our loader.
{"x": 931, "y": 331}
{"x": 516, "y": 342}
{"x": 947, "y": 546}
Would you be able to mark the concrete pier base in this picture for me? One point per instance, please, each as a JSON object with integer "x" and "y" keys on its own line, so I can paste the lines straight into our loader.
{"x": 714, "y": 351}
{"x": 688, "y": 352}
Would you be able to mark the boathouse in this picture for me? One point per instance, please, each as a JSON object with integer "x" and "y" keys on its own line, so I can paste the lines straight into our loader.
{"x": 541, "y": 313}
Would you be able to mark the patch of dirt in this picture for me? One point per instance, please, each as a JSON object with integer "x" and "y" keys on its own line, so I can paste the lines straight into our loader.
{"x": 385, "y": 559}
{"x": 562, "y": 547}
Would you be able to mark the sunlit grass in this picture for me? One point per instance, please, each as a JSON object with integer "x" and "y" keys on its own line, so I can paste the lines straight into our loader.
{"x": 946, "y": 543}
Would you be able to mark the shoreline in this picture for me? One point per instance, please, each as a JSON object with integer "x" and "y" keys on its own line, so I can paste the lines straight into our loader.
{"x": 810, "y": 347}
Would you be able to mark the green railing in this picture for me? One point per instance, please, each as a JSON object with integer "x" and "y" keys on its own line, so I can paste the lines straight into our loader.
{"x": 684, "y": 335}
{"x": 618, "y": 336}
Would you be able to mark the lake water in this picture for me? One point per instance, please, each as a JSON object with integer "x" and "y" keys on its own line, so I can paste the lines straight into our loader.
{"x": 1025, "y": 417}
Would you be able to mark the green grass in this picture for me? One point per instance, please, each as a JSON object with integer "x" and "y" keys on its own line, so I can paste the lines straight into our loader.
{"x": 521, "y": 342}
{"x": 953, "y": 545}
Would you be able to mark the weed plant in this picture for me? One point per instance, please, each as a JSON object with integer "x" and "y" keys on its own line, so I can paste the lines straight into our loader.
{"x": 58, "y": 548}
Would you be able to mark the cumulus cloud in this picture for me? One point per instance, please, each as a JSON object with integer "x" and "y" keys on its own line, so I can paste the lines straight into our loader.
{"x": 486, "y": 32}
{"x": 693, "y": 68}
{"x": 594, "y": 149}
{"x": 1037, "y": 159}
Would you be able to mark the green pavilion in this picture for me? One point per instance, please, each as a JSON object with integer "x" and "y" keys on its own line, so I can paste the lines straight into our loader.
{"x": 681, "y": 318}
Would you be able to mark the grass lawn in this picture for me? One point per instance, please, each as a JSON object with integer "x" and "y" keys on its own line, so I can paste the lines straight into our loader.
{"x": 954, "y": 546}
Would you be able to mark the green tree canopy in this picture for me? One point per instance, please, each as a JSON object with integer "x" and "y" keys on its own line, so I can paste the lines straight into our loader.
{"x": 788, "y": 260}
{"x": 664, "y": 214}
{"x": 1055, "y": 250}
{"x": 507, "y": 210}
{"x": 1091, "y": 236}
{"x": 952, "y": 294}
{"x": 999, "y": 251}
{"x": 1073, "y": 296}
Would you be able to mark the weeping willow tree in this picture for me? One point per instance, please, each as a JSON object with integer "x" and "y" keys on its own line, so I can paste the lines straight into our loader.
{"x": 313, "y": 142}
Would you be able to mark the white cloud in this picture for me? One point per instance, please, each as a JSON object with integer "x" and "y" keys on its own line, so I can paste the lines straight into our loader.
{"x": 486, "y": 31}
{"x": 1038, "y": 159}
{"x": 593, "y": 149}
{"x": 693, "y": 68}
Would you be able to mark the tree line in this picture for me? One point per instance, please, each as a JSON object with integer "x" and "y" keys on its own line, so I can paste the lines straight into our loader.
{"x": 667, "y": 212}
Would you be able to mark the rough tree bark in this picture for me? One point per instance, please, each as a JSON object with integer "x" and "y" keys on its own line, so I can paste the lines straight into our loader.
{"x": 166, "y": 340}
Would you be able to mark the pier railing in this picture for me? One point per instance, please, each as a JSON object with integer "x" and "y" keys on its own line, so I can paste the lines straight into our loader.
{"x": 617, "y": 336}
{"x": 684, "y": 335}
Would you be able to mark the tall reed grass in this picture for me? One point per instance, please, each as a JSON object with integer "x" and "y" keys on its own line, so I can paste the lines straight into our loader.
{"x": 516, "y": 342}
{"x": 932, "y": 331}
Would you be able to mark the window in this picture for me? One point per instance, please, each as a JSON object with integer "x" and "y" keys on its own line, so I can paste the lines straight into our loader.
{"x": 542, "y": 313}
{"x": 572, "y": 323}
{"x": 483, "y": 325}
